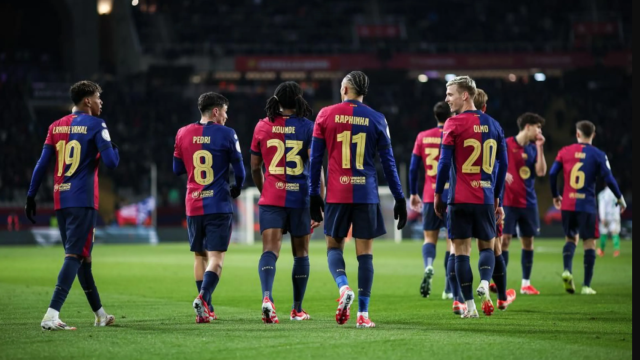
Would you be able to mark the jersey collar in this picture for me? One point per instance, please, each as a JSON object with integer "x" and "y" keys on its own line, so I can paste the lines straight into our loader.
{"x": 354, "y": 102}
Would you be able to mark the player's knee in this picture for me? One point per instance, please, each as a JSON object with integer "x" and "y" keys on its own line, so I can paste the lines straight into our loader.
{"x": 200, "y": 254}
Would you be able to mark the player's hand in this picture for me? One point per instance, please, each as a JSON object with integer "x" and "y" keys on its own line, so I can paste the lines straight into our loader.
{"x": 30, "y": 208}
{"x": 557, "y": 202}
{"x": 440, "y": 206}
{"x": 509, "y": 178}
{"x": 416, "y": 203}
{"x": 622, "y": 204}
{"x": 235, "y": 191}
{"x": 605, "y": 223}
{"x": 316, "y": 208}
{"x": 400, "y": 212}
{"x": 314, "y": 224}
{"x": 540, "y": 140}
{"x": 500, "y": 215}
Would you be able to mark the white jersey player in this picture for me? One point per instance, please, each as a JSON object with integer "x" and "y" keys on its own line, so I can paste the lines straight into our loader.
{"x": 609, "y": 221}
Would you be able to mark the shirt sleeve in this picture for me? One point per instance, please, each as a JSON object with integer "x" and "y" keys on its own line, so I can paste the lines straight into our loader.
{"x": 177, "y": 150}
{"x": 318, "y": 128}
{"x": 49, "y": 140}
{"x": 559, "y": 157}
{"x": 384, "y": 136}
{"x": 235, "y": 151}
{"x": 102, "y": 137}
{"x": 417, "y": 147}
{"x": 255, "y": 141}
{"x": 448, "y": 134}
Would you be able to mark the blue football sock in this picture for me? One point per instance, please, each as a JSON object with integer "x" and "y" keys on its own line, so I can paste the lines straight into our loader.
{"x": 209, "y": 285}
{"x": 365, "y": 281}
{"x": 527, "y": 264}
{"x": 300, "y": 278}
{"x": 267, "y": 272}
{"x": 453, "y": 279}
{"x": 486, "y": 263}
{"x": 567, "y": 255}
{"x": 337, "y": 267}
{"x": 500, "y": 278}
{"x": 65, "y": 280}
{"x": 465, "y": 276}
{"x": 589, "y": 264}
{"x": 505, "y": 256}
{"x": 199, "y": 286}
{"x": 85, "y": 277}
{"x": 428, "y": 254}
{"x": 447, "y": 286}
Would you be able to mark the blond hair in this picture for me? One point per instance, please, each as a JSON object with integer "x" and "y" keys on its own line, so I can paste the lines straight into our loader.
{"x": 481, "y": 99}
{"x": 465, "y": 84}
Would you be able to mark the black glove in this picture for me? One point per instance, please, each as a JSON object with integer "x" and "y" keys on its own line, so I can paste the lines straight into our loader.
{"x": 316, "y": 208}
{"x": 30, "y": 208}
{"x": 114, "y": 146}
{"x": 235, "y": 191}
{"x": 400, "y": 212}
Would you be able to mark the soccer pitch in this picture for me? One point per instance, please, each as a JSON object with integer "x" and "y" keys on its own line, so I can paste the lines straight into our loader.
{"x": 150, "y": 289}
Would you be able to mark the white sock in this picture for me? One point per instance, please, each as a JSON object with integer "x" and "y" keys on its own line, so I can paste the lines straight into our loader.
{"x": 365, "y": 314}
{"x": 51, "y": 314}
{"x": 526, "y": 282}
{"x": 484, "y": 284}
{"x": 100, "y": 313}
{"x": 471, "y": 305}
{"x": 342, "y": 289}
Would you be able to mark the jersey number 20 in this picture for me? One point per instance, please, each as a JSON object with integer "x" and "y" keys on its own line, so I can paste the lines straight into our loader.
{"x": 488, "y": 149}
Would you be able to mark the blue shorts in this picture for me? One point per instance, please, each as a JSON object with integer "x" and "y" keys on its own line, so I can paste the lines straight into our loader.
{"x": 527, "y": 220}
{"x": 580, "y": 223}
{"x": 211, "y": 232}
{"x": 472, "y": 221}
{"x": 77, "y": 228}
{"x": 366, "y": 219}
{"x": 431, "y": 221}
{"x": 292, "y": 220}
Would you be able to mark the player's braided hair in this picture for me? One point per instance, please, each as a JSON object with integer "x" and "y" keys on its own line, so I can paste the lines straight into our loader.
{"x": 288, "y": 95}
{"x": 359, "y": 82}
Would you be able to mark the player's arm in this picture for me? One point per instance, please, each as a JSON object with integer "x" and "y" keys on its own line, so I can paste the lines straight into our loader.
{"x": 391, "y": 174}
{"x": 178, "y": 164}
{"x": 602, "y": 206}
{"x": 38, "y": 174}
{"x": 556, "y": 168}
{"x": 605, "y": 172}
{"x": 541, "y": 161}
{"x": 502, "y": 161}
{"x": 235, "y": 154}
{"x": 256, "y": 170}
{"x": 322, "y": 182}
{"x": 415, "y": 201}
{"x": 108, "y": 150}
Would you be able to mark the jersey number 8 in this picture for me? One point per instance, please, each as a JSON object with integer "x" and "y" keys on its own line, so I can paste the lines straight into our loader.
{"x": 203, "y": 162}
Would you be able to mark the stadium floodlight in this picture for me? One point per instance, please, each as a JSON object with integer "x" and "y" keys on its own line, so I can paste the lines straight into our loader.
{"x": 540, "y": 76}
{"x": 449, "y": 77}
{"x": 513, "y": 77}
{"x": 135, "y": 2}
{"x": 423, "y": 78}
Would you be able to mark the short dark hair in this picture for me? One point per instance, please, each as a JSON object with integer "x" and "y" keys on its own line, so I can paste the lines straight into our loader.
{"x": 442, "y": 111}
{"x": 210, "y": 100}
{"x": 530, "y": 119}
{"x": 586, "y": 127}
{"x": 288, "y": 95}
{"x": 83, "y": 89}
{"x": 359, "y": 81}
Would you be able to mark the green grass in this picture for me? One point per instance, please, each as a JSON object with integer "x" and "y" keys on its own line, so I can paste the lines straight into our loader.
{"x": 150, "y": 290}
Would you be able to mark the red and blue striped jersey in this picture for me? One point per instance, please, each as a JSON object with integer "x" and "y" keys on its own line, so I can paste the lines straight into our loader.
{"x": 78, "y": 139}
{"x": 475, "y": 139}
{"x": 521, "y": 193}
{"x": 284, "y": 146}
{"x": 427, "y": 147}
{"x": 353, "y": 133}
{"x": 207, "y": 151}
{"x": 582, "y": 164}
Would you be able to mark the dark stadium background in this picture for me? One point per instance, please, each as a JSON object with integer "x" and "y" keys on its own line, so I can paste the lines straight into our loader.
{"x": 567, "y": 61}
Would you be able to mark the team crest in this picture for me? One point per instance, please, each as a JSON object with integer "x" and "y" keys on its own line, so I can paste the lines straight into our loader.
{"x": 280, "y": 185}
{"x": 525, "y": 172}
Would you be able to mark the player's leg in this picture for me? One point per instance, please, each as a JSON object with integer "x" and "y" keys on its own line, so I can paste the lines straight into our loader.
{"x": 529, "y": 227}
{"x": 199, "y": 267}
{"x": 604, "y": 234}
{"x": 459, "y": 306}
{"x": 431, "y": 226}
{"x": 368, "y": 224}
{"x": 589, "y": 232}
{"x": 337, "y": 222}
{"x": 484, "y": 229}
{"x": 505, "y": 297}
{"x": 614, "y": 228}
{"x": 273, "y": 221}
{"x": 570, "y": 226}
{"x": 74, "y": 238}
{"x": 511, "y": 217}
{"x": 300, "y": 228}
{"x": 460, "y": 224}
